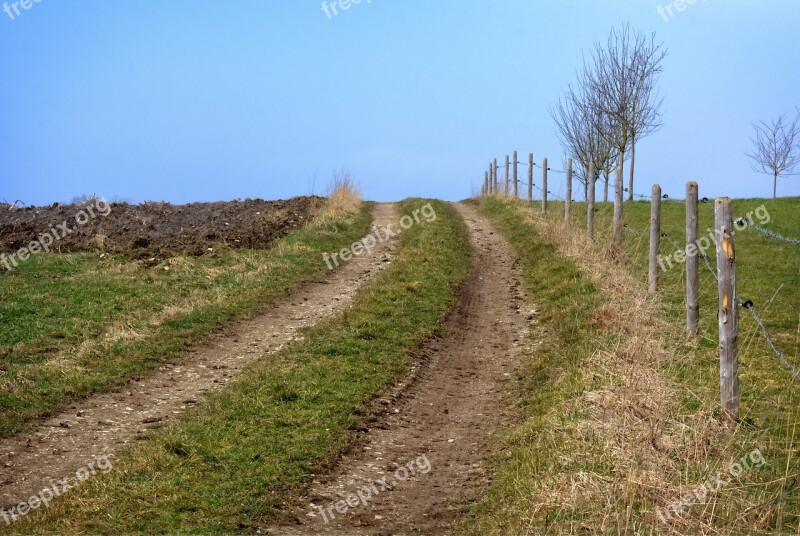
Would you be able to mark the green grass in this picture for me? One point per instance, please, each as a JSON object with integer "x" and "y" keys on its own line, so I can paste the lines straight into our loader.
{"x": 768, "y": 274}
{"x": 76, "y": 324}
{"x": 565, "y": 299}
{"x": 233, "y": 463}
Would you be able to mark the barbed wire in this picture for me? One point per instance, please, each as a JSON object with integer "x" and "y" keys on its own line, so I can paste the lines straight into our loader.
{"x": 665, "y": 197}
{"x": 770, "y": 234}
{"x": 634, "y": 231}
{"x": 746, "y": 304}
{"x": 708, "y": 264}
{"x": 750, "y": 307}
{"x": 671, "y": 241}
{"x": 549, "y": 192}
{"x": 700, "y": 252}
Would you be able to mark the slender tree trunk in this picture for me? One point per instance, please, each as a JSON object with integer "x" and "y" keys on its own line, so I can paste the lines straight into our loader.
{"x": 774, "y": 186}
{"x": 633, "y": 165}
{"x": 622, "y": 161}
{"x": 605, "y": 189}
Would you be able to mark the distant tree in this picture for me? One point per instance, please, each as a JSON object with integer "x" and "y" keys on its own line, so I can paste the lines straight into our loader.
{"x": 776, "y": 148}
{"x": 579, "y": 132}
{"x": 620, "y": 83}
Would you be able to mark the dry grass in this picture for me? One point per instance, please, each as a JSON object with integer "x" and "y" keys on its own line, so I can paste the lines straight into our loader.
{"x": 626, "y": 444}
{"x": 343, "y": 198}
{"x": 635, "y": 416}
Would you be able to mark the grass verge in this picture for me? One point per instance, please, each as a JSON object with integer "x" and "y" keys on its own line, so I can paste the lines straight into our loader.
{"x": 107, "y": 320}
{"x": 622, "y": 411}
{"x": 234, "y": 463}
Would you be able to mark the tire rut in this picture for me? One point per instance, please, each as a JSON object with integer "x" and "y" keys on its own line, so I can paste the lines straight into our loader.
{"x": 445, "y": 420}
{"x": 102, "y": 424}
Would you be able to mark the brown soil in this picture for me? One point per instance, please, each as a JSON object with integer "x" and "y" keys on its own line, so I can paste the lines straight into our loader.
{"x": 449, "y": 412}
{"x": 156, "y": 229}
{"x": 102, "y": 424}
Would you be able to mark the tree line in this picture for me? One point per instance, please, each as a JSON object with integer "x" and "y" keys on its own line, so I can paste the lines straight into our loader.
{"x": 615, "y": 103}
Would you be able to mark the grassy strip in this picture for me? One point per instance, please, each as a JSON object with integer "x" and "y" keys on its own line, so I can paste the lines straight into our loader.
{"x": 107, "y": 320}
{"x": 617, "y": 426}
{"x": 768, "y": 272}
{"x": 565, "y": 299}
{"x": 232, "y": 464}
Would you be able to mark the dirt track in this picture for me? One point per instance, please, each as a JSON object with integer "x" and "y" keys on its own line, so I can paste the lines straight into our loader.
{"x": 102, "y": 424}
{"x": 448, "y": 413}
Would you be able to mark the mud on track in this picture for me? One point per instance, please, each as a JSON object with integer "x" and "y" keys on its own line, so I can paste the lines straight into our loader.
{"x": 102, "y": 424}
{"x": 159, "y": 229}
{"x": 450, "y": 412}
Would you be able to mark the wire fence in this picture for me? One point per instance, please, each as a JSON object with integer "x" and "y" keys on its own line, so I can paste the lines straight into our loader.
{"x": 746, "y": 304}
{"x": 492, "y": 181}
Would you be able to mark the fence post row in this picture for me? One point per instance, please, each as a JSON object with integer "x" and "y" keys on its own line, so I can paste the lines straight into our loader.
{"x": 728, "y": 310}
{"x": 544, "y": 184}
{"x": 655, "y": 238}
{"x": 568, "y": 202}
{"x": 692, "y": 262}
{"x": 618, "y": 208}
{"x": 590, "y": 203}
{"x": 728, "y": 306}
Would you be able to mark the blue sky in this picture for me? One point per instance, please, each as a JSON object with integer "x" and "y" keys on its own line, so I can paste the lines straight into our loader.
{"x": 196, "y": 100}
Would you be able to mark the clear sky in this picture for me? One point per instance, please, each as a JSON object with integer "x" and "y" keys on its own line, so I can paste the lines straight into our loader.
{"x": 199, "y": 100}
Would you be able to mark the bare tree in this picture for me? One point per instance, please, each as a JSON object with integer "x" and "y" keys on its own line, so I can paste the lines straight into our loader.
{"x": 580, "y": 135}
{"x": 776, "y": 148}
{"x": 620, "y": 81}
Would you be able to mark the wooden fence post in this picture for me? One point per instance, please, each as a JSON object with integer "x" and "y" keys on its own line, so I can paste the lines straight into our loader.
{"x": 617, "y": 241}
{"x": 692, "y": 262}
{"x": 485, "y": 183}
{"x": 544, "y": 184}
{"x": 508, "y": 161}
{"x": 655, "y": 238}
{"x": 728, "y": 310}
{"x": 590, "y": 203}
{"x": 530, "y": 177}
{"x": 568, "y": 204}
{"x": 494, "y": 168}
{"x": 516, "y": 182}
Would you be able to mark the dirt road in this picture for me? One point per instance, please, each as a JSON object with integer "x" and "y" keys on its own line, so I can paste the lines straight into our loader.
{"x": 102, "y": 424}
{"x": 423, "y": 458}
